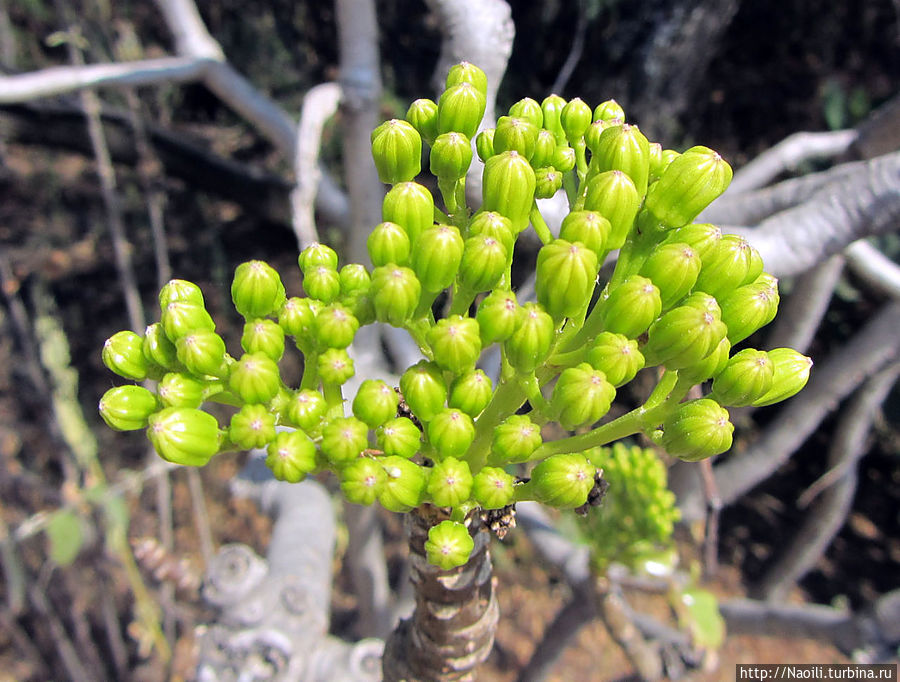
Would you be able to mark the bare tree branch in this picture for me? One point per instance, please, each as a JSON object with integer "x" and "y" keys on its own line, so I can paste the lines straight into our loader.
{"x": 749, "y": 208}
{"x": 319, "y": 104}
{"x": 864, "y": 204}
{"x": 59, "y": 80}
{"x": 189, "y": 31}
{"x": 874, "y": 268}
{"x": 799, "y": 318}
{"x": 788, "y": 154}
{"x": 360, "y": 82}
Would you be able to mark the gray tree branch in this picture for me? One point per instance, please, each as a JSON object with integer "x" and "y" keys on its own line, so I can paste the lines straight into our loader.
{"x": 863, "y": 204}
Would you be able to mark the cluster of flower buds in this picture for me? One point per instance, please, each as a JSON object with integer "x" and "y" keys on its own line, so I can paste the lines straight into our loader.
{"x": 637, "y": 517}
{"x": 681, "y": 295}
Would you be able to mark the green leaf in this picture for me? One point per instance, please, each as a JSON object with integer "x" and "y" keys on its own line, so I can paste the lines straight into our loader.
{"x": 65, "y": 535}
{"x": 699, "y": 613}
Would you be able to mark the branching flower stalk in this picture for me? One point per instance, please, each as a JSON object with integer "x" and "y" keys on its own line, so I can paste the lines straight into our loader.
{"x": 444, "y": 445}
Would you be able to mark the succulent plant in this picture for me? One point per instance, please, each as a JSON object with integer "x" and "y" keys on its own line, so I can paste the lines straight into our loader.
{"x": 679, "y": 296}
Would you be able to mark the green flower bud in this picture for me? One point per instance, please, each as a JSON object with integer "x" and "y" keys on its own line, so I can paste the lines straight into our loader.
{"x": 483, "y": 263}
{"x": 497, "y": 316}
{"x": 297, "y": 318}
{"x": 404, "y": 485}
{"x": 322, "y": 283}
{"x": 609, "y": 110}
{"x": 566, "y": 274}
{"x": 705, "y": 302}
{"x": 594, "y": 131}
{"x": 290, "y": 456}
{"x": 484, "y": 144}
{"x": 127, "y": 408}
{"x": 575, "y": 119}
{"x": 424, "y": 390}
{"x": 730, "y": 264}
{"x": 701, "y": 237}
{"x": 460, "y": 109}
{"x": 515, "y": 135}
{"x": 747, "y": 309}
{"x": 451, "y": 432}
{"x": 449, "y": 483}
{"x": 179, "y": 290}
{"x": 530, "y": 343}
{"x": 625, "y": 148}
{"x": 657, "y": 161}
{"x": 256, "y": 290}
{"x": 181, "y": 390}
{"x": 508, "y": 188}
{"x": 563, "y": 481}
{"x": 528, "y": 109}
{"x": 254, "y": 378}
{"x": 343, "y": 439}
{"x": 362, "y": 480}
{"x": 123, "y": 354}
{"x": 747, "y": 377}
{"x": 614, "y": 195}
{"x": 278, "y": 405}
{"x": 317, "y": 254}
{"x": 399, "y": 437}
{"x": 467, "y": 72}
{"x": 202, "y": 352}
{"x": 388, "y": 243}
{"x": 708, "y": 367}
{"x": 335, "y": 326}
{"x": 492, "y": 224}
{"x": 689, "y": 184}
{"x": 455, "y": 342}
{"x": 355, "y": 279}
{"x": 306, "y": 409}
{"x": 158, "y": 349}
{"x": 451, "y": 156}
{"x": 588, "y": 227}
{"x": 396, "y": 292}
{"x": 631, "y": 307}
{"x": 515, "y": 440}
{"x": 791, "y": 374}
{"x": 183, "y": 435}
{"x": 335, "y": 366}
{"x": 449, "y": 545}
{"x": 552, "y": 108}
{"x": 563, "y": 158}
{"x": 423, "y": 116}
{"x": 582, "y": 395}
{"x": 673, "y": 268}
{"x": 682, "y": 337}
{"x": 181, "y": 318}
{"x": 617, "y": 357}
{"x": 375, "y": 402}
{"x": 471, "y": 392}
{"x": 411, "y": 206}
{"x": 252, "y": 427}
{"x": 545, "y": 150}
{"x": 397, "y": 151}
{"x": 437, "y": 256}
{"x": 698, "y": 429}
{"x": 492, "y": 488}
{"x": 547, "y": 182}
{"x": 263, "y": 336}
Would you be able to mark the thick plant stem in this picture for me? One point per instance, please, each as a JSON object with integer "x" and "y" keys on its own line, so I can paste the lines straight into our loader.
{"x": 452, "y": 628}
